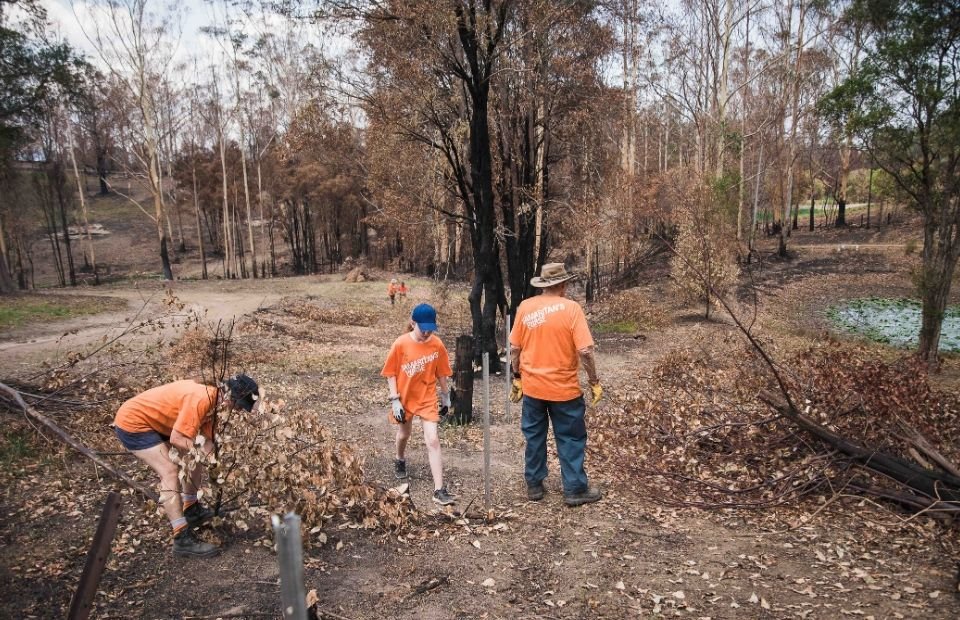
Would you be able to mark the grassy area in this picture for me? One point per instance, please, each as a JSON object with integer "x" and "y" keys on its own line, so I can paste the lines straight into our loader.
{"x": 858, "y": 208}
{"x": 20, "y": 310}
{"x": 14, "y": 447}
{"x": 616, "y": 327}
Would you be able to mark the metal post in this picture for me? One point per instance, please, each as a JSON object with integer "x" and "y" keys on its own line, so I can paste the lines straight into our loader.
{"x": 96, "y": 559}
{"x": 486, "y": 431}
{"x": 290, "y": 558}
{"x": 509, "y": 376}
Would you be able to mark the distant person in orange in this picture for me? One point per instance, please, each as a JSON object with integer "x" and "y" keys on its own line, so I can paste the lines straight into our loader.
{"x": 174, "y": 415}
{"x": 392, "y": 290}
{"x": 402, "y": 291}
{"x": 416, "y": 363}
{"x": 549, "y": 341}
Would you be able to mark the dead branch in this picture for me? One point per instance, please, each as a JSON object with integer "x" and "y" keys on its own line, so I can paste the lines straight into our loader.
{"x": 65, "y": 438}
{"x": 920, "y": 443}
{"x": 429, "y": 584}
{"x": 940, "y": 487}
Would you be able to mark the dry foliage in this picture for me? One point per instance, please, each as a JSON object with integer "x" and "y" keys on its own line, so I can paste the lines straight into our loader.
{"x": 303, "y": 309}
{"x": 195, "y": 354}
{"x": 859, "y": 394}
{"x": 357, "y": 274}
{"x": 696, "y": 434}
{"x": 631, "y": 306}
{"x": 705, "y": 263}
{"x": 276, "y": 460}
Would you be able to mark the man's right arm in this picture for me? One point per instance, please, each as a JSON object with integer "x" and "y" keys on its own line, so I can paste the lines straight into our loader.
{"x": 589, "y": 363}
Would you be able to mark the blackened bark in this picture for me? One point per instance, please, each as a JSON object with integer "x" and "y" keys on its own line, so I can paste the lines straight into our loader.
{"x": 841, "y": 213}
{"x": 479, "y": 50}
{"x": 463, "y": 380}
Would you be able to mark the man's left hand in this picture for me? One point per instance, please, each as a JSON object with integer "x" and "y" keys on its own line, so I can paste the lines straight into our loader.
{"x": 597, "y": 391}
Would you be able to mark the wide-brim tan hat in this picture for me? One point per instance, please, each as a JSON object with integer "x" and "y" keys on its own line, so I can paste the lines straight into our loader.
{"x": 552, "y": 274}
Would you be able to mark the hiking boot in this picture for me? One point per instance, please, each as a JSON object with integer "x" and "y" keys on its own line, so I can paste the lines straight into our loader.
{"x": 535, "y": 492}
{"x": 188, "y": 545}
{"x": 443, "y": 497}
{"x": 400, "y": 469}
{"x": 584, "y": 497}
{"x": 198, "y": 514}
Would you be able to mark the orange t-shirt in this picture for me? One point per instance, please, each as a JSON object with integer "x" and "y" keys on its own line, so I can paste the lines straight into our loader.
{"x": 417, "y": 365}
{"x": 549, "y": 331}
{"x": 391, "y": 289}
{"x": 181, "y": 405}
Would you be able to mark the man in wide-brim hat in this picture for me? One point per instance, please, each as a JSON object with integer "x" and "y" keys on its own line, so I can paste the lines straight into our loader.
{"x": 550, "y": 340}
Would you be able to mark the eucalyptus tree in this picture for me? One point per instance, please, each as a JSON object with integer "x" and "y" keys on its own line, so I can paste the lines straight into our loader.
{"x": 34, "y": 71}
{"x": 136, "y": 41}
{"x": 902, "y": 104}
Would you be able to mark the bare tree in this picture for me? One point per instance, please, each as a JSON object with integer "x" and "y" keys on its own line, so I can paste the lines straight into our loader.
{"x": 135, "y": 45}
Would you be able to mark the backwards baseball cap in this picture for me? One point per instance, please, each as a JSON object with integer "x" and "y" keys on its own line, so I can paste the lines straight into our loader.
{"x": 242, "y": 391}
{"x": 425, "y": 317}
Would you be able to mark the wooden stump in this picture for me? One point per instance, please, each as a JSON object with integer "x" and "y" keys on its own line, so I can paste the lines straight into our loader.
{"x": 463, "y": 380}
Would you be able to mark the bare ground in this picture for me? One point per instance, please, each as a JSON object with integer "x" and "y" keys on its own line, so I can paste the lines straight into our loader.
{"x": 623, "y": 557}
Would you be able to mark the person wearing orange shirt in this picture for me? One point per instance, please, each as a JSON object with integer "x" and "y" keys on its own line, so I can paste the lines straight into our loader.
{"x": 392, "y": 290}
{"x": 174, "y": 415}
{"x": 416, "y": 363}
{"x": 549, "y": 341}
{"x": 402, "y": 291}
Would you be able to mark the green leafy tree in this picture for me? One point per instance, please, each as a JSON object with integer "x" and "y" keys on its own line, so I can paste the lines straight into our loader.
{"x": 903, "y": 106}
{"x": 35, "y": 74}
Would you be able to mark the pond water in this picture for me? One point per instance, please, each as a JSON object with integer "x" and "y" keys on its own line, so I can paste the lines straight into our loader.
{"x": 893, "y": 321}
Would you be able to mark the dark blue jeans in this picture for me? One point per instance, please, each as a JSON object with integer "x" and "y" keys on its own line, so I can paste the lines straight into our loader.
{"x": 570, "y": 433}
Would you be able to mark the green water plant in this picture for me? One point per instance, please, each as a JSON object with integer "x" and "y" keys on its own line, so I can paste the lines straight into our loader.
{"x": 893, "y": 321}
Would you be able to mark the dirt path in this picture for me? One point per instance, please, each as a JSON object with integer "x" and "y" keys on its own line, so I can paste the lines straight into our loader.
{"x": 213, "y": 300}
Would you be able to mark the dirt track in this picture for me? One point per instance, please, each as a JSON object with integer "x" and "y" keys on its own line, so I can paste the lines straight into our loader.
{"x": 213, "y": 300}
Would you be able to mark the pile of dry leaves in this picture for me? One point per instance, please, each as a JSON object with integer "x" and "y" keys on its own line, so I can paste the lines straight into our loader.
{"x": 279, "y": 459}
{"x": 338, "y": 315}
{"x": 697, "y": 433}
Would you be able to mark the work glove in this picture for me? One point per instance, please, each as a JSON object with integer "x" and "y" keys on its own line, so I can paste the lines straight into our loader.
{"x": 444, "y": 404}
{"x": 516, "y": 391}
{"x": 597, "y": 391}
{"x": 398, "y": 413}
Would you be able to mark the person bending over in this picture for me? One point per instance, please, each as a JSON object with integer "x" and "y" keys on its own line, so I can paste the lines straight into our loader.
{"x": 174, "y": 415}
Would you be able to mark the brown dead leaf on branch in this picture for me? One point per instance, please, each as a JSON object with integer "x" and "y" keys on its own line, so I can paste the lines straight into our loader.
{"x": 280, "y": 459}
{"x": 696, "y": 433}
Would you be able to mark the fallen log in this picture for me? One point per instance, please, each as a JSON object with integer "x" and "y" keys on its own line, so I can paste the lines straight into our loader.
{"x": 65, "y": 438}
{"x": 941, "y": 488}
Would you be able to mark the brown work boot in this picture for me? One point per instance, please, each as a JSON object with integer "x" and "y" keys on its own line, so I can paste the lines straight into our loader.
{"x": 584, "y": 497}
{"x": 186, "y": 544}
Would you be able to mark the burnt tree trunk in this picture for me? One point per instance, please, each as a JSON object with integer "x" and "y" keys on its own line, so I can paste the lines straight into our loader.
{"x": 463, "y": 380}
{"x": 841, "y": 220}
